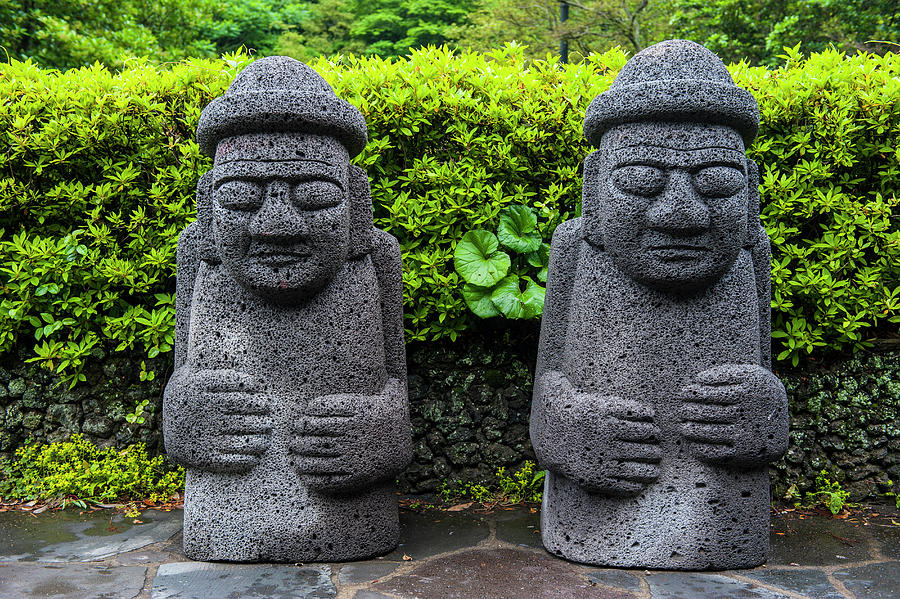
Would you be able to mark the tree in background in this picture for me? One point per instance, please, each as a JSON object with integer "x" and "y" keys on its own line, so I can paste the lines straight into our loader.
{"x": 593, "y": 25}
{"x": 387, "y": 28}
{"x": 72, "y": 33}
{"x": 758, "y": 30}
{"x": 254, "y": 24}
{"x": 325, "y": 31}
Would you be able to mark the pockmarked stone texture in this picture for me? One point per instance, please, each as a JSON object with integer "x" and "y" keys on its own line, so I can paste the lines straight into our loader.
{"x": 655, "y": 409}
{"x": 288, "y": 402}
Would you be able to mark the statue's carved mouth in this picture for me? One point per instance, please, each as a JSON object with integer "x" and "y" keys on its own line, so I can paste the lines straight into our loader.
{"x": 681, "y": 246}
{"x": 678, "y": 251}
{"x": 278, "y": 256}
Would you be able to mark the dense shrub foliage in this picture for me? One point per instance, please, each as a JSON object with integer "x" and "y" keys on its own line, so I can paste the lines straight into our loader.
{"x": 78, "y": 470}
{"x": 829, "y": 150}
{"x": 99, "y": 171}
{"x": 98, "y": 177}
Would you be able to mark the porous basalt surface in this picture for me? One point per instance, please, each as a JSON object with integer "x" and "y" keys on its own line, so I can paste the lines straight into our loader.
{"x": 655, "y": 411}
{"x": 288, "y": 404}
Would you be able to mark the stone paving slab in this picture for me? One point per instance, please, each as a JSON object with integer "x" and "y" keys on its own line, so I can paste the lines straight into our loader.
{"x": 369, "y": 571}
{"x": 433, "y": 532}
{"x": 444, "y": 555}
{"x": 888, "y": 537}
{"x": 370, "y": 595}
{"x": 689, "y": 585}
{"x": 815, "y": 541}
{"x": 520, "y": 528}
{"x": 200, "y": 580}
{"x": 492, "y": 573}
{"x": 614, "y": 578}
{"x": 20, "y": 580}
{"x": 68, "y": 537}
{"x": 875, "y": 581}
{"x": 813, "y": 583}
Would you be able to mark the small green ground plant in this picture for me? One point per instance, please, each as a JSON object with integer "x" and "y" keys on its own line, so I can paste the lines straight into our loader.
{"x": 827, "y": 493}
{"x": 892, "y": 495}
{"x": 77, "y": 472}
{"x": 525, "y": 485}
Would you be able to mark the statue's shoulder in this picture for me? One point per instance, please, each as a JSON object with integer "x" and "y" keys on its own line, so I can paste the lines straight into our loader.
{"x": 188, "y": 254}
{"x": 567, "y": 233}
{"x": 567, "y": 242}
{"x": 385, "y": 251}
{"x": 384, "y": 243}
{"x": 189, "y": 238}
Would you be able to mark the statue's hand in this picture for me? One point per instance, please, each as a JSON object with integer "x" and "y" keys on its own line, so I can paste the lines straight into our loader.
{"x": 735, "y": 415}
{"x": 345, "y": 442}
{"x": 605, "y": 444}
{"x": 216, "y": 420}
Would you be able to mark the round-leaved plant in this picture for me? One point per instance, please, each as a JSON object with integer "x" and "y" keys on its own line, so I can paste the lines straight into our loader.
{"x": 518, "y": 229}
{"x": 478, "y": 260}
{"x": 515, "y": 303}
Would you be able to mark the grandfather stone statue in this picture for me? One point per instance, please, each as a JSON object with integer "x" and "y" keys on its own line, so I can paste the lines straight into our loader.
{"x": 288, "y": 403}
{"x": 655, "y": 409}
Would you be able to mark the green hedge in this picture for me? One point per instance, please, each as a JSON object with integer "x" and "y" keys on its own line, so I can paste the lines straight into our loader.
{"x": 99, "y": 172}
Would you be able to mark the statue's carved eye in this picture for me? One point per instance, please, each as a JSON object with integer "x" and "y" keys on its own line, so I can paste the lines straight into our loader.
{"x": 316, "y": 195}
{"x": 239, "y": 195}
{"x": 639, "y": 179}
{"x": 718, "y": 181}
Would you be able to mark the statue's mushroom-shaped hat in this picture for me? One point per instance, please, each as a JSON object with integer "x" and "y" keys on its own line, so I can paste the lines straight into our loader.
{"x": 675, "y": 80}
{"x": 280, "y": 94}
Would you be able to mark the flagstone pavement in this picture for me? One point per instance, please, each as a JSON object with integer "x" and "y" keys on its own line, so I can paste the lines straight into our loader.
{"x": 443, "y": 555}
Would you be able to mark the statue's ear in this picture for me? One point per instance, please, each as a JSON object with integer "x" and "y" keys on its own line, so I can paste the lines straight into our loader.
{"x": 591, "y": 217}
{"x": 208, "y": 250}
{"x": 753, "y": 205}
{"x": 361, "y": 227}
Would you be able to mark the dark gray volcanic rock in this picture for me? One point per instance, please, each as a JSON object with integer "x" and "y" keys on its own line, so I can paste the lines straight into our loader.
{"x": 655, "y": 409}
{"x": 288, "y": 404}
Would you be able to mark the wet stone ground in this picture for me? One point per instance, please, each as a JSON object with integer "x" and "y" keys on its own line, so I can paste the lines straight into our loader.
{"x": 444, "y": 555}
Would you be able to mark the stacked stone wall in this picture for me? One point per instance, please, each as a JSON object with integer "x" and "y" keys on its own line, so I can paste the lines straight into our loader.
{"x": 470, "y": 402}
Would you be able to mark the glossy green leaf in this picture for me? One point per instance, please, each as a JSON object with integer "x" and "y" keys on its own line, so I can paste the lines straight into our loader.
{"x": 513, "y": 302}
{"x": 478, "y": 260}
{"x": 507, "y": 297}
{"x": 517, "y": 229}
{"x": 479, "y": 300}
{"x": 541, "y": 257}
{"x": 533, "y": 299}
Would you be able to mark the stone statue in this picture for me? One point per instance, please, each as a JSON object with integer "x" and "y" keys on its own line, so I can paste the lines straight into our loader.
{"x": 655, "y": 409}
{"x": 288, "y": 403}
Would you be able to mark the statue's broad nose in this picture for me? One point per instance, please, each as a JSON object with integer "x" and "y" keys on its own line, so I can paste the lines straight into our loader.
{"x": 277, "y": 220}
{"x": 679, "y": 210}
